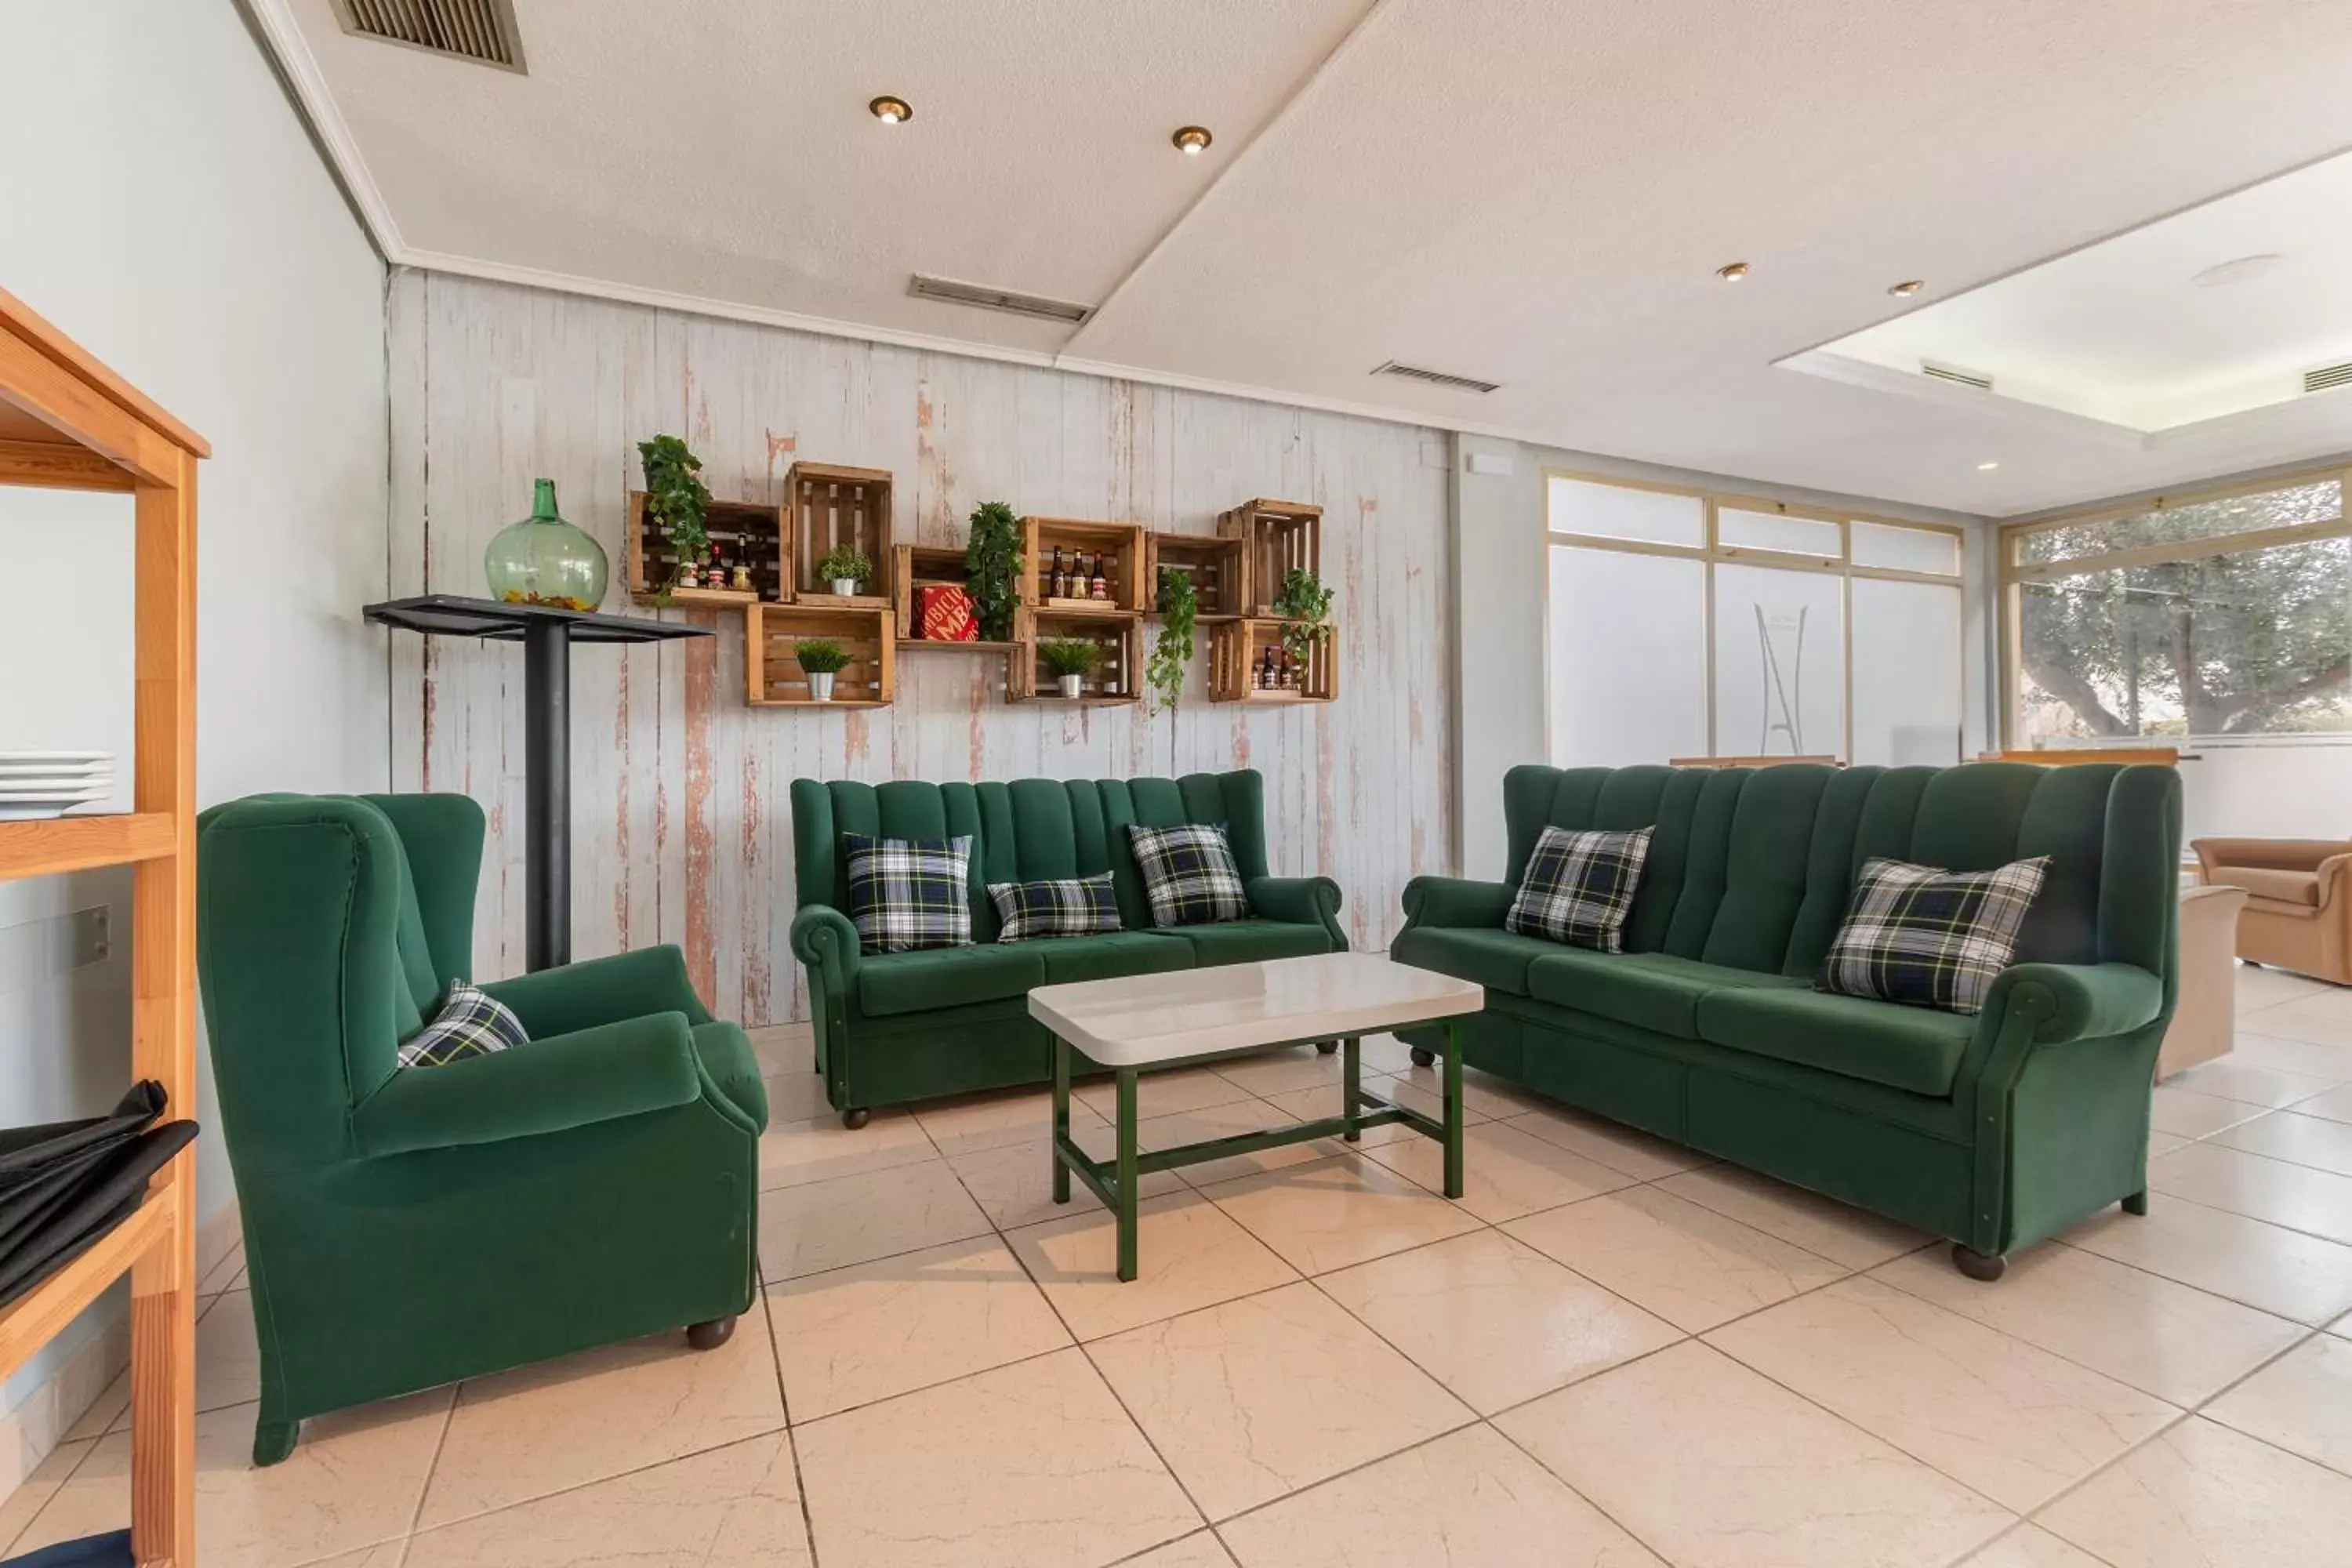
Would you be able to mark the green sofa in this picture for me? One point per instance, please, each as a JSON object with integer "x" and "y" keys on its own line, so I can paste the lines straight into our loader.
{"x": 405, "y": 1229}
{"x": 899, "y": 1027}
{"x": 1995, "y": 1131}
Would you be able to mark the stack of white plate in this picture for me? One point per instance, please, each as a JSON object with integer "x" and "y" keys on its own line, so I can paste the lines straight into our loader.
{"x": 50, "y": 784}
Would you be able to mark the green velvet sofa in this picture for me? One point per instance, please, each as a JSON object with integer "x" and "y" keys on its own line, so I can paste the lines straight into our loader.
{"x": 1995, "y": 1131}
{"x": 407, "y": 1229}
{"x": 897, "y": 1027}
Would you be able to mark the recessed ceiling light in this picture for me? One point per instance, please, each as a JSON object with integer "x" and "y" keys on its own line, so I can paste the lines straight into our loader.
{"x": 891, "y": 111}
{"x": 1193, "y": 140}
{"x": 1989, "y": 466}
{"x": 1732, "y": 273}
{"x": 1908, "y": 286}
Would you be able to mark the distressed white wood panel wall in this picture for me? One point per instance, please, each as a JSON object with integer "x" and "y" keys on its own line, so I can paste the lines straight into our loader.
{"x": 681, "y": 827}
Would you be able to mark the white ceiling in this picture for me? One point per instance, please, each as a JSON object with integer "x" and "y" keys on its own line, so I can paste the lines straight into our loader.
{"x": 1532, "y": 192}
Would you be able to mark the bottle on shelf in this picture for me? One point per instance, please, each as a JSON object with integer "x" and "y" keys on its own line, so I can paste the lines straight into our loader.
{"x": 1266, "y": 669}
{"x": 1098, "y": 585}
{"x": 1060, "y": 586}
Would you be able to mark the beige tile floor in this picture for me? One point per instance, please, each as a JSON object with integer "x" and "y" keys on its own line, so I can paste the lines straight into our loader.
{"x": 1611, "y": 1352}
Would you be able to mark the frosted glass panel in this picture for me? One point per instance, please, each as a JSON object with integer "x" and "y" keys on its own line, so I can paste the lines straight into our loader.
{"x": 1907, "y": 673}
{"x": 1770, "y": 531}
{"x": 1905, "y": 549}
{"x": 1628, "y": 658}
{"x": 1618, "y": 512}
{"x": 1780, "y": 670}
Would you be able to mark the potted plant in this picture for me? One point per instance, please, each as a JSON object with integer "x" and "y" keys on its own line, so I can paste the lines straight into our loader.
{"x": 1304, "y": 607}
{"x": 1071, "y": 660}
{"x": 677, "y": 503}
{"x": 821, "y": 660}
{"x": 1171, "y": 650}
{"x": 845, "y": 566}
{"x": 994, "y": 559}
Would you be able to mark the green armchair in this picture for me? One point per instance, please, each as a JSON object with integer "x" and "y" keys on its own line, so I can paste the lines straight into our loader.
{"x": 405, "y": 1229}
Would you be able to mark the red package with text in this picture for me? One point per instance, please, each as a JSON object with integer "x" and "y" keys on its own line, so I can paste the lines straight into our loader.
{"x": 944, "y": 613}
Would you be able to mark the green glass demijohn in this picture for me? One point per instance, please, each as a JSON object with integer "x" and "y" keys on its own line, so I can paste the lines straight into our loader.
{"x": 543, "y": 560}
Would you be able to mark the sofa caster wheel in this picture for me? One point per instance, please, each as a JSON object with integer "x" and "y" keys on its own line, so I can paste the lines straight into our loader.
{"x": 1424, "y": 1057}
{"x": 1324, "y": 1048}
{"x": 1979, "y": 1266}
{"x": 2136, "y": 1203}
{"x": 710, "y": 1336}
{"x": 273, "y": 1441}
{"x": 854, "y": 1119}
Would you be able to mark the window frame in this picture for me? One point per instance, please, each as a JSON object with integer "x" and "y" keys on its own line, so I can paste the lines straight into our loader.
{"x": 1712, "y": 553}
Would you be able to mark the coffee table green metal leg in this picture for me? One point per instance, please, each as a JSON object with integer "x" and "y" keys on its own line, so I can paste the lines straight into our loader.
{"x": 1351, "y": 1073}
{"x": 1453, "y": 1109}
{"x": 1127, "y": 1172}
{"x": 1061, "y": 1118}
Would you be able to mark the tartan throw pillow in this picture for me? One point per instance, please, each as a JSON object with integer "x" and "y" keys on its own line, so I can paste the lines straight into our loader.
{"x": 471, "y": 1023}
{"x": 1929, "y": 938}
{"x": 1579, "y": 886}
{"x": 906, "y": 894}
{"x": 1076, "y": 906}
{"x": 1189, "y": 874}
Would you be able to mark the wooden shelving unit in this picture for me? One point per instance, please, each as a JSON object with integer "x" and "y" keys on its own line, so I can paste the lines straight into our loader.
{"x": 773, "y": 632}
{"x": 740, "y": 531}
{"x": 825, "y": 505}
{"x": 68, "y": 422}
{"x": 1236, "y": 652}
{"x": 1277, "y": 537}
{"x": 1121, "y": 546}
{"x": 1117, "y": 679}
{"x": 1213, "y": 564}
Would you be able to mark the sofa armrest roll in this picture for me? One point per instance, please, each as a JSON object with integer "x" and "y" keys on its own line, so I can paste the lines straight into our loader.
{"x": 2077, "y": 1001}
{"x": 1300, "y": 900}
{"x": 824, "y": 938}
{"x": 1456, "y": 901}
{"x": 577, "y": 996}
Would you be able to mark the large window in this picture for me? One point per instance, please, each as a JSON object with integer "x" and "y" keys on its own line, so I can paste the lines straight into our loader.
{"x": 1691, "y": 624}
{"x": 2211, "y": 617}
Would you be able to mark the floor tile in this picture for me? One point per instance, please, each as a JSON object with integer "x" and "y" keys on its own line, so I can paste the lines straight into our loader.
{"x": 1162, "y": 1093}
{"x": 855, "y": 1219}
{"x": 2336, "y": 1105}
{"x": 793, "y": 1154}
{"x": 736, "y": 1507}
{"x": 2324, "y": 1018}
{"x": 1420, "y": 1092}
{"x": 1014, "y": 1186}
{"x": 1282, "y": 1071}
{"x": 1031, "y": 1466}
{"x": 298, "y": 1511}
{"x": 1839, "y": 1232}
{"x": 2030, "y": 1546}
{"x": 2297, "y": 1196}
{"x": 1336, "y": 1211}
{"x": 968, "y": 1124}
{"x": 1689, "y": 1265}
{"x": 1482, "y": 1093}
{"x": 33, "y": 1493}
{"x": 2160, "y": 1143}
{"x": 2255, "y": 1086}
{"x": 1505, "y": 1173}
{"x": 2306, "y": 1278}
{"x": 2301, "y": 1402}
{"x": 228, "y": 1367}
{"x": 859, "y": 1334}
{"x": 2015, "y": 1423}
{"x": 2203, "y": 1496}
{"x": 2259, "y": 987}
{"x": 1312, "y": 1105}
{"x": 1386, "y": 1054}
{"x": 1494, "y": 1319}
{"x": 226, "y": 1275}
{"x": 2331, "y": 1061}
{"x": 541, "y": 1428}
{"x": 797, "y": 1097}
{"x": 2181, "y": 1345}
{"x": 1468, "y": 1498}
{"x": 1715, "y": 1467}
{"x": 1225, "y": 1121}
{"x": 1189, "y": 1254}
{"x": 1258, "y": 1397}
{"x": 784, "y": 1047}
{"x": 1613, "y": 1143}
{"x": 1199, "y": 1550}
{"x": 2299, "y": 1139}
{"x": 2186, "y": 1114}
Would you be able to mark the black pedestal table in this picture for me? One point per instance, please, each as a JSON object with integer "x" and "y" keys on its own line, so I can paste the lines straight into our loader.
{"x": 547, "y": 635}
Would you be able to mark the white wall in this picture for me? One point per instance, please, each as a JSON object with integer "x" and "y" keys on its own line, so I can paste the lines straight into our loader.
{"x": 161, "y": 205}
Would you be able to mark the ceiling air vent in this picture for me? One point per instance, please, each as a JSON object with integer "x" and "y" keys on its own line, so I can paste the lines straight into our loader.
{"x": 1437, "y": 378}
{"x": 1953, "y": 373}
{"x": 954, "y": 293}
{"x": 2328, "y": 377}
{"x": 480, "y": 30}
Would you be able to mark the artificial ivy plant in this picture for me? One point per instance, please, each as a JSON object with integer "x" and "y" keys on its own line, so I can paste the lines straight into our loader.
{"x": 994, "y": 559}
{"x": 676, "y": 500}
{"x": 1304, "y": 607}
{"x": 1173, "y": 648}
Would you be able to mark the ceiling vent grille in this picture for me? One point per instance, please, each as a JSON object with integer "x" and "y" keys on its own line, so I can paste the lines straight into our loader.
{"x": 951, "y": 293}
{"x": 1438, "y": 378}
{"x": 2328, "y": 377}
{"x": 1955, "y": 374}
{"x": 480, "y": 30}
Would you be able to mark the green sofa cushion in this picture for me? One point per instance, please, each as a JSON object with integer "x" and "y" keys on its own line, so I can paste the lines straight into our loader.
{"x": 1498, "y": 959}
{"x": 1108, "y": 956}
{"x": 891, "y": 982}
{"x": 726, "y": 1055}
{"x": 1246, "y": 941}
{"x": 1914, "y": 1048}
{"x": 1648, "y": 990}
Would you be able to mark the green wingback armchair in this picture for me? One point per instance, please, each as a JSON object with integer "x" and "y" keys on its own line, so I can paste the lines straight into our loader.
{"x": 403, "y": 1229}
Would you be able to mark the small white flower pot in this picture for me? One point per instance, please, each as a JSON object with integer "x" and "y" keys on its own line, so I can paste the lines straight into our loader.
{"x": 845, "y": 586}
{"x": 821, "y": 685}
{"x": 1074, "y": 687}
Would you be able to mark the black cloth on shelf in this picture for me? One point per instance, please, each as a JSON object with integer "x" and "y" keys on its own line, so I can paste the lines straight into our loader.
{"x": 64, "y": 1184}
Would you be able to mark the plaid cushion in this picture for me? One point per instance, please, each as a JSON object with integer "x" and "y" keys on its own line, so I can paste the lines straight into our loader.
{"x": 1079, "y": 905}
{"x": 471, "y": 1023}
{"x": 1578, "y": 887}
{"x": 909, "y": 893}
{"x": 1189, "y": 874}
{"x": 1928, "y": 937}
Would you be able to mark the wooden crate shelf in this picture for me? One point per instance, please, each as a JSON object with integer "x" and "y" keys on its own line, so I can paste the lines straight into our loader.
{"x": 1121, "y": 546}
{"x": 1214, "y": 564}
{"x": 774, "y": 677}
{"x": 1236, "y": 657}
{"x": 1118, "y": 678}
{"x": 917, "y": 566}
{"x": 32, "y": 1320}
{"x": 1277, "y": 537}
{"x": 827, "y": 505}
{"x": 740, "y": 531}
{"x": 48, "y": 846}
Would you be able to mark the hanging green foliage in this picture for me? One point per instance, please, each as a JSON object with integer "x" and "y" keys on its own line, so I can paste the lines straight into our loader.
{"x": 1304, "y": 607}
{"x": 1173, "y": 648}
{"x": 676, "y": 500}
{"x": 994, "y": 559}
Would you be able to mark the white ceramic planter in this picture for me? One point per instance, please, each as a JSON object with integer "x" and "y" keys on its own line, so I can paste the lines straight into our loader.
{"x": 821, "y": 685}
{"x": 1074, "y": 687}
{"x": 845, "y": 586}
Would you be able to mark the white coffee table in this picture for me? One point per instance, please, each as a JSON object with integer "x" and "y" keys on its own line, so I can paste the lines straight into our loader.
{"x": 1194, "y": 1016}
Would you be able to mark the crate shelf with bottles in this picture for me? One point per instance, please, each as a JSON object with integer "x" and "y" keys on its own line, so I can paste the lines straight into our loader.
{"x": 1081, "y": 551}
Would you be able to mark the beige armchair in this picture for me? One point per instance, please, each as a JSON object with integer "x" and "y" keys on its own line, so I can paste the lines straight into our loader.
{"x": 2298, "y": 910}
